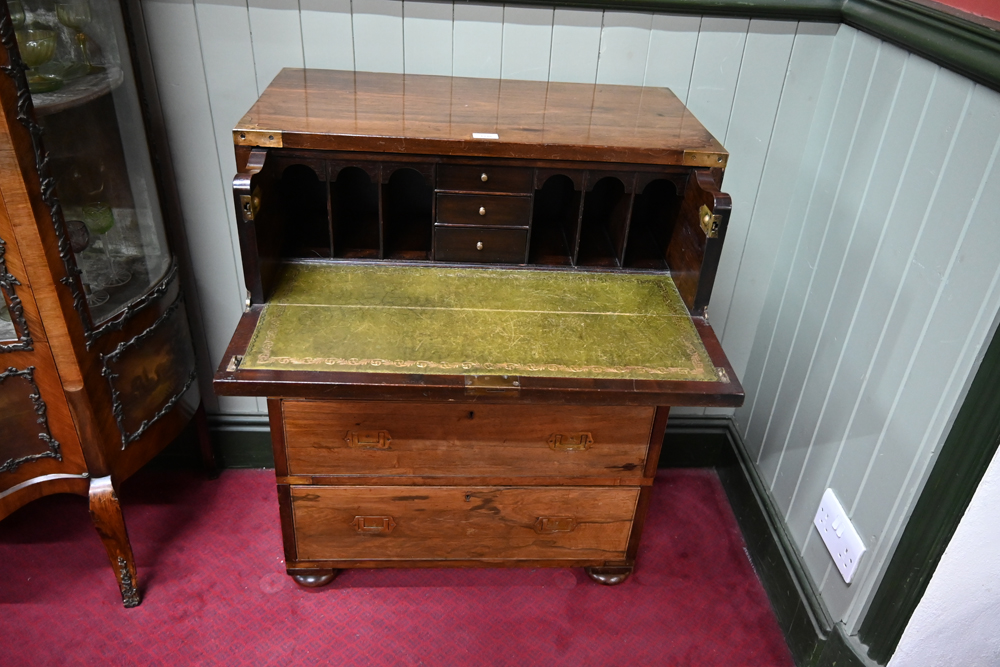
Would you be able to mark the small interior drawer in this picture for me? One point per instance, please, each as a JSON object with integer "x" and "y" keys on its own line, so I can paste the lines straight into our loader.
{"x": 484, "y": 178}
{"x": 468, "y": 244}
{"x": 487, "y": 210}
{"x": 465, "y": 440}
{"x": 462, "y": 523}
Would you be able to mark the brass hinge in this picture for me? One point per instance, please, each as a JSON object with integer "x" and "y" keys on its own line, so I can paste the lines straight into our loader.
{"x": 250, "y": 204}
{"x": 476, "y": 385}
{"x": 709, "y": 222}
{"x": 234, "y": 363}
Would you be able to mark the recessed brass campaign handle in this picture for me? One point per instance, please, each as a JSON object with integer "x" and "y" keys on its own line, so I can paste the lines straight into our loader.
{"x": 374, "y": 525}
{"x": 368, "y": 439}
{"x": 572, "y": 442}
{"x": 554, "y": 524}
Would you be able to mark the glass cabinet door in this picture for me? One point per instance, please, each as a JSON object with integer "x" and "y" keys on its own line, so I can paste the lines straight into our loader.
{"x": 8, "y": 330}
{"x": 85, "y": 98}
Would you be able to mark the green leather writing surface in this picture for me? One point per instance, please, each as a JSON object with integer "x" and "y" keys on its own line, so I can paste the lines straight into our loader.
{"x": 468, "y": 321}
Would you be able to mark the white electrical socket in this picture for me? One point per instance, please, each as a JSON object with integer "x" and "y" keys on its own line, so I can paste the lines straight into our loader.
{"x": 839, "y": 535}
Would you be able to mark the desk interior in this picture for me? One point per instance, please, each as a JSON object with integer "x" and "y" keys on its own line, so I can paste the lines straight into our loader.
{"x": 334, "y": 316}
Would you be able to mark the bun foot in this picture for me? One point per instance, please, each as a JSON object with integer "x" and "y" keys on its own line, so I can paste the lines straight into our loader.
{"x": 315, "y": 579}
{"x": 609, "y": 576}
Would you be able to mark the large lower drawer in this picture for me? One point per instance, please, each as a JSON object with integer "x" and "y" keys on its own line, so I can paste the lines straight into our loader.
{"x": 465, "y": 440}
{"x": 462, "y": 523}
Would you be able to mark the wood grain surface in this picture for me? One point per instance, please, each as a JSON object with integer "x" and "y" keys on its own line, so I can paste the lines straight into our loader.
{"x": 444, "y": 523}
{"x": 326, "y": 109}
{"x": 464, "y": 439}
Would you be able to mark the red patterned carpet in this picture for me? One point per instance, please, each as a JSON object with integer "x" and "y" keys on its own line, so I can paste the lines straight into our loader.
{"x": 215, "y": 592}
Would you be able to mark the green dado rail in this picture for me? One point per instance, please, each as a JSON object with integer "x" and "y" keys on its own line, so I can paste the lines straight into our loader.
{"x": 963, "y": 43}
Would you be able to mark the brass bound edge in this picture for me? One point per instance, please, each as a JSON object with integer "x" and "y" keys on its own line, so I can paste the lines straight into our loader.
{"x": 705, "y": 159}
{"x": 262, "y": 138}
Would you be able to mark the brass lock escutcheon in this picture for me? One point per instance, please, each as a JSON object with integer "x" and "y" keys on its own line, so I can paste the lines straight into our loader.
{"x": 554, "y": 524}
{"x": 570, "y": 442}
{"x": 480, "y": 385}
{"x": 709, "y": 222}
{"x": 374, "y": 525}
{"x": 368, "y": 439}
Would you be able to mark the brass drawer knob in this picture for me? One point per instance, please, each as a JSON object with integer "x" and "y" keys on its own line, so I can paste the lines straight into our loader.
{"x": 484, "y": 177}
{"x": 479, "y": 245}
{"x": 374, "y": 525}
{"x": 572, "y": 442}
{"x": 482, "y": 210}
{"x": 554, "y": 524}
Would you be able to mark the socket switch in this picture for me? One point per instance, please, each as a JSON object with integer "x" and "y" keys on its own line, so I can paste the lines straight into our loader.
{"x": 839, "y": 535}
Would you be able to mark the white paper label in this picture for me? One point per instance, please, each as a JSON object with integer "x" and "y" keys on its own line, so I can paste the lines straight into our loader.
{"x": 485, "y": 135}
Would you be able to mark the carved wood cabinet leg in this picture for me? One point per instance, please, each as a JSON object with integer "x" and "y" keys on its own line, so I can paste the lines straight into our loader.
{"x": 610, "y": 576}
{"x": 106, "y": 513}
{"x": 315, "y": 578}
{"x": 205, "y": 443}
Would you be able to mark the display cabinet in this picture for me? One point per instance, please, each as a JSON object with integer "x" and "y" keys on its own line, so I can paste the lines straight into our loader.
{"x": 471, "y": 304}
{"x": 100, "y": 369}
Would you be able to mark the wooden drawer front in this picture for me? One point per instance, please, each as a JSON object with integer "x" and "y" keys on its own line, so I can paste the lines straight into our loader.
{"x": 470, "y": 178}
{"x": 492, "y": 210}
{"x": 464, "y": 244}
{"x": 461, "y": 523}
{"x": 472, "y": 440}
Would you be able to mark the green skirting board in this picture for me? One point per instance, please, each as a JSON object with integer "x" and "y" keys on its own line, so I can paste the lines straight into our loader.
{"x": 463, "y": 321}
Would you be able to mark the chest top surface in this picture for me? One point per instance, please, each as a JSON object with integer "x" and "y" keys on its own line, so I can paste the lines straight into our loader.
{"x": 364, "y": 111}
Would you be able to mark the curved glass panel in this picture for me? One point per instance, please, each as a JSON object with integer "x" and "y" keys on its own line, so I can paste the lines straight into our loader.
{"x": 7, "y": 330}
{"x": 12, "y": 324}
{"x": 85, "y": 99}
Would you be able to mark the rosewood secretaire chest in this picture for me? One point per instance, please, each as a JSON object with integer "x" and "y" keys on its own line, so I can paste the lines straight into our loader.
{"x": 470, "y": 304}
